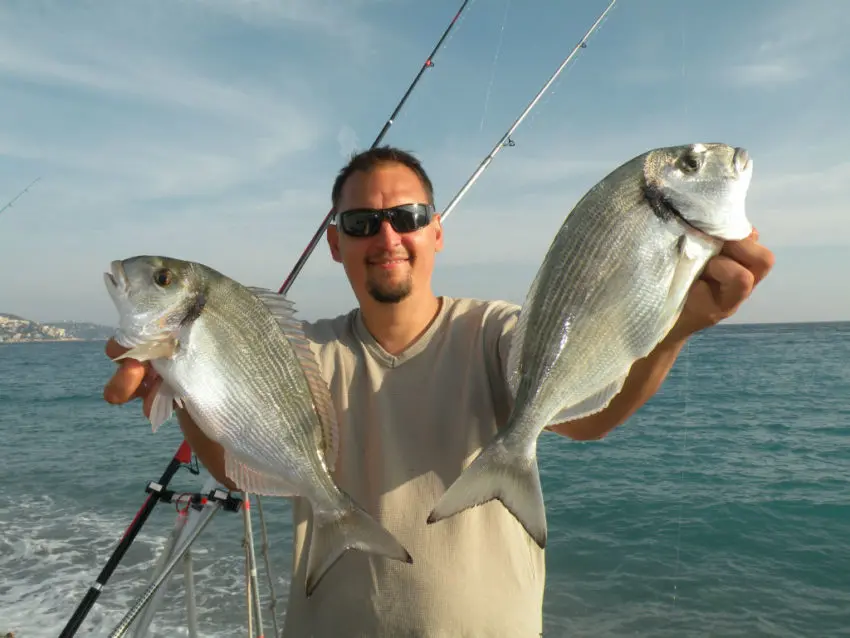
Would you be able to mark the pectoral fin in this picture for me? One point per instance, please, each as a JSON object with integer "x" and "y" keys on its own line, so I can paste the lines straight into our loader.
{"x": 150, "y": 351}
{"x": 163, "y": 406}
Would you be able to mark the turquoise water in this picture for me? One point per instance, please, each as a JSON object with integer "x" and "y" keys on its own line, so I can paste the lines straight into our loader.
{"x": 721, "y": 509}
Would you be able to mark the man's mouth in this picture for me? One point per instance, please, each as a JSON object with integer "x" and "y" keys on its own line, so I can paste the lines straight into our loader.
{"x": 387, "y": 263}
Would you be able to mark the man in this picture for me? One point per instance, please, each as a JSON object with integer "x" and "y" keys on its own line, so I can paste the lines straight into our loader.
{"x": 418, "y": 383}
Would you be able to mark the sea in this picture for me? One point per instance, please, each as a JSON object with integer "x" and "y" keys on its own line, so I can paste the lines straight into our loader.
{"x": 722, "y": 508}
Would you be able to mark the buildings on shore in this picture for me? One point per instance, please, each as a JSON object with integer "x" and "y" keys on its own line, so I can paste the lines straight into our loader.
{"x": 14, "y": 329}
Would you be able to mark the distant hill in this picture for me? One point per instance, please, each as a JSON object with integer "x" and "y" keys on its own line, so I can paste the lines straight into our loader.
{"x": 85, "y": 330}
{"x": 16, "y": 329}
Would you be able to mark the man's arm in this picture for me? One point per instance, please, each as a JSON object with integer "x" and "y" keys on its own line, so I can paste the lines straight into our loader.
{"x": 209, "y": 453}
{"x": 727, "y": 281}
{"x": 644, "y": 380}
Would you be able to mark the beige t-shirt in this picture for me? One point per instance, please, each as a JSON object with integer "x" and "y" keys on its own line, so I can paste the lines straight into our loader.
{"x": 409, "y": 424}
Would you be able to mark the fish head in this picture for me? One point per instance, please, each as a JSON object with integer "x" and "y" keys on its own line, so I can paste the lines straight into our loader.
{"x": 155, "y": 297}
{"x": 705, "y": 185}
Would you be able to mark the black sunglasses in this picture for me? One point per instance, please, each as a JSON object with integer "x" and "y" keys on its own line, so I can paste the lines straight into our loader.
{"x": 366, "y": 222}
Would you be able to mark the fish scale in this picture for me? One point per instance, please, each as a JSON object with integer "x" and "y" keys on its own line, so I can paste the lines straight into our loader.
{"x": 610, "y": 288}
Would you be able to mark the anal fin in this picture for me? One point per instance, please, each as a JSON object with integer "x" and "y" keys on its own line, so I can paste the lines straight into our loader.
{"x": 163, "y": 406}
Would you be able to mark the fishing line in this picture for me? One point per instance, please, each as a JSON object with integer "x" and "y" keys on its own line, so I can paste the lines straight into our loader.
{"x": 493, "y": 67}
{"x": 506, "y": 138}
{"x": 687, "y": 352}
{"x": 686, "y": 425}
{"x": 558, "y": 83}
{"x": 458, "y": 20}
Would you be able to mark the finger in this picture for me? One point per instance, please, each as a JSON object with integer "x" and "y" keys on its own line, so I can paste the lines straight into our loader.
{"x": 125, "y": 382}
{"x": 730, "y": 282}
{"x": 752, "y": 255}
{"x": 113, "y": 349}
{"x": 147, "y": 382}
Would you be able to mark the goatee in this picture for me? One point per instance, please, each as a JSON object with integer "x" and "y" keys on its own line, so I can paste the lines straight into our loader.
{"x": 389, "y": 295}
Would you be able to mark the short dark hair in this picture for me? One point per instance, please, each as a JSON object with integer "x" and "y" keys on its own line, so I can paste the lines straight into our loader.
{"x": 372, "y": 158}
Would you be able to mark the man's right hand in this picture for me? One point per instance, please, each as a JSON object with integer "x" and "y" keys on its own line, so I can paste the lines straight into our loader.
{"x": 132, "y": 380}
{"x": 137, "y": 380}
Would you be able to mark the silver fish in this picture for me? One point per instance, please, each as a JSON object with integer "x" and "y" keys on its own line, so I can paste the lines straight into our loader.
{"x": 237, "y": 360}
{"x": 610, "y": 288}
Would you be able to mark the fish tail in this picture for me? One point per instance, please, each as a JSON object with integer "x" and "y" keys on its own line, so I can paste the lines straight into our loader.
{"x": 336, "y": 531}
{"x": 506, "y": 470}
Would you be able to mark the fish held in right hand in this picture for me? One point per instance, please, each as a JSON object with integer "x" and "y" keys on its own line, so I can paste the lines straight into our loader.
{"x": 236, "y": 359}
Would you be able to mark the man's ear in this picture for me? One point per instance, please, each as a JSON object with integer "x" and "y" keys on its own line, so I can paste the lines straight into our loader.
{"x": 332, "y": 236}
{"x": 438, "y": 229}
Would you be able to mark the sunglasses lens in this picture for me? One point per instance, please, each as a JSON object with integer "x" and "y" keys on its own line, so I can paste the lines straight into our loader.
{"x": 405, "y": 222}
{"x": 360, "y": 223}
{"x": 410, "y": 217}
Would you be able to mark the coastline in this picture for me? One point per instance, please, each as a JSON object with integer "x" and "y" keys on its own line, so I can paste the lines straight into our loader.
{"x": 60, "y": 340}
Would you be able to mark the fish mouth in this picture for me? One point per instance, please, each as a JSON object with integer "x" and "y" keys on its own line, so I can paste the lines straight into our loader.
{"x": 116, "y": 280}
{"x": 741, "y": 159}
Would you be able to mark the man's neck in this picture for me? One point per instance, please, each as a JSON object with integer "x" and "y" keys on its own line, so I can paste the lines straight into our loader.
{"x": 396, "y": 326}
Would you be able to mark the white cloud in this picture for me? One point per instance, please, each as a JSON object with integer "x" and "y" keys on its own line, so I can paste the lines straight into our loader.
{"x": 338, "y": 19}
{"x": 348, "y": 141}
{"x": 803, "y": 207}
{"x": 150, "y": 139}
{"x": 122, "y": 130}
{"x": 792, "y": 41}
{"x": 766, "y": 74}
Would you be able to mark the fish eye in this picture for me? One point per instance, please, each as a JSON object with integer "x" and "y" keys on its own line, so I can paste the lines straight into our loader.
{"x": 689, "y": 162}
{"x": 162, "y": 277}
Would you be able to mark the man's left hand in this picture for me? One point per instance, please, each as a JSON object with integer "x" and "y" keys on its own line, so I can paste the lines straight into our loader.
{"x": 726, "y": 282}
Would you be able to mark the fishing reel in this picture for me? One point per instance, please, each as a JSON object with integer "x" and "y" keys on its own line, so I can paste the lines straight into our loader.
{"x": 196, "y": 500}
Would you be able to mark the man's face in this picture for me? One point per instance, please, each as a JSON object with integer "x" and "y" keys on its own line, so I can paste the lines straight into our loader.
{"x": 388, "y": 266}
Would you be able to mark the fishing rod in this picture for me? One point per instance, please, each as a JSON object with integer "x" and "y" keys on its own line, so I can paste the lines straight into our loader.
{"x": 136, "y": 609}
{"x": 18, "y": 196}
{"x": 183, "y": 456}
{"x": 184, "y": 452}
{"x": 429, "y": 62}
{"x": 506, "y": 138}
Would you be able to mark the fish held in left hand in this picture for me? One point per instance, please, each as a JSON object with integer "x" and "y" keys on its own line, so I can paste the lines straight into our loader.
{"x": 237, "y": 360}
{"x": 610, "y": 288}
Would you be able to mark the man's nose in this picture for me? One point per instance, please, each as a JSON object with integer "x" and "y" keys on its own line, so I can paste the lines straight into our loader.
{"x": 387, "y": 235}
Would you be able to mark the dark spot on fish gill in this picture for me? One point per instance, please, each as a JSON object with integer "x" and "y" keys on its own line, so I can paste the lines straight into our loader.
{"x": 660, "y": 205}
{"x": 663, "y": 207}
{"x": 195, "y": 309}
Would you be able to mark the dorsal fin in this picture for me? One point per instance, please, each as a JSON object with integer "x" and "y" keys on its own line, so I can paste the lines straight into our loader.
{"x": 283, "y": 311}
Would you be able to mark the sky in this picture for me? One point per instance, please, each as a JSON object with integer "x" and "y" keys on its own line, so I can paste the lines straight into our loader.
{"x": 212, "y": 130}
